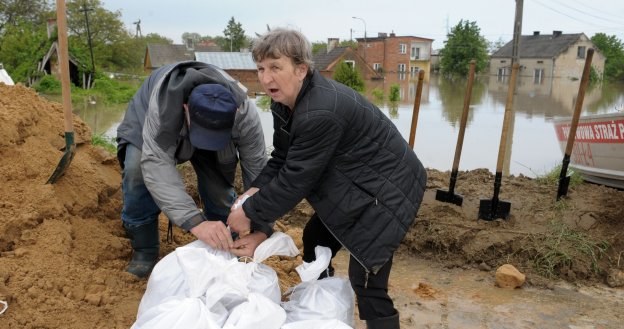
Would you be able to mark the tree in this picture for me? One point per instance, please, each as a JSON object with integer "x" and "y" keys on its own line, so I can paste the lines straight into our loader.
{"x": 234, "y": 36}
{"x": 22, "y": 48}
{"x": 494, "y": 46}
{"x": 463, "y": 44}
{"x": 13, "y": 12}
{"x": 349, "y": 76}
{"x": 613, "y": 49}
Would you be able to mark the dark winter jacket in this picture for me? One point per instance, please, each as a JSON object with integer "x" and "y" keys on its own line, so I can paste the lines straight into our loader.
{"x": 344, "y": 156}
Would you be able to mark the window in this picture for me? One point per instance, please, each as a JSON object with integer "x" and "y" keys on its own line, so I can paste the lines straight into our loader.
{"x": 414, "y": 70}
{"x": 503, "y": 62}
{"x": 402, "y": 48}
{"x": 350, "y": 63}
{"x": 401, "y": 68}
{"x": 415, "y": 53}
{"x": 538, "y": 76}
{"x": 377, "y": 67}
{"x": 540, "y": 62}
{"x": 580, "y": 52}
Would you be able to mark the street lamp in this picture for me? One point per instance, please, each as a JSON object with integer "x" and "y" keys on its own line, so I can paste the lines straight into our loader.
{"x": 365, "y": 42}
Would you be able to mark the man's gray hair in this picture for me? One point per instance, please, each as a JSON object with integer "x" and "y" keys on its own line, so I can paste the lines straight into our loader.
{"x": 283, "y": 42}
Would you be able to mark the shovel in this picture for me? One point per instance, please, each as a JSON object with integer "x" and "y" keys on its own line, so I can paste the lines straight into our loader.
{"x": 564, "y": 180}
{"x": 450, "y": 196}
{"x": 70, "y": 146}
{"x": 495, "y": 208}
{"x": 421, "y": 77}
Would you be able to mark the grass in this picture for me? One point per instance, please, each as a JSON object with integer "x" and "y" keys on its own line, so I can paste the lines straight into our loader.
{"x": 107, "y": 143}
{"x": 562, "y": 247}
{"x": 552, "y": 177}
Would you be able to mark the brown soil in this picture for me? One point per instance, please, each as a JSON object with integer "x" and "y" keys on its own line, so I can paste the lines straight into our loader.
{"x": 63, "y": 251}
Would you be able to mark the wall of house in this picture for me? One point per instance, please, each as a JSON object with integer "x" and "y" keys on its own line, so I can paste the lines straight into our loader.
{"x": 570, "y": 65}
{"x": 249, "y": 78}
{"x": 386, "y": 51}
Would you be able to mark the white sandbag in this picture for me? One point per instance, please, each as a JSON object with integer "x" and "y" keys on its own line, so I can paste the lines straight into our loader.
{"x": 316, "y": 324}
{"x": 257, "y": 313}
{"x": 187, "y": 313}
{"x": 325, "y": 299}
{"x": 213, "y": 278}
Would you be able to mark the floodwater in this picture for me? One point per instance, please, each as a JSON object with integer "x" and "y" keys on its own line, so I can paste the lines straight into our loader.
{"x": 532, "y": 149}
{"x": 467, "y": 298}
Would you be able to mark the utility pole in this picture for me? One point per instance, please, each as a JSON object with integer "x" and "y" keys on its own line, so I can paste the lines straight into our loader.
{"x": 517, "y": 32}
{"x": 365, "y": 42}
{"x": 86, "y": 10}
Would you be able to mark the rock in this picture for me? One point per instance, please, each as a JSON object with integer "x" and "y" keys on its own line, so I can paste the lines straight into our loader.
{"x": 484, "y": 267}
{"x": 507, "y": 276}
{"x": 615, "y": 278}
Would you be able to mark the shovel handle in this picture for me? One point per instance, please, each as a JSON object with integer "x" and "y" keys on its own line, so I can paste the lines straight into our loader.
{"x": 506, "y": 119}
{"x": 464, "y": 117}
{"x": 579, "y": 101}
{"x": 421, "y": 77}
{"x": 63, "y": 54}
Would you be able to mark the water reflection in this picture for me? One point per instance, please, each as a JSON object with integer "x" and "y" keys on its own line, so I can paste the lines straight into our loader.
{"x": 533, "y": 148}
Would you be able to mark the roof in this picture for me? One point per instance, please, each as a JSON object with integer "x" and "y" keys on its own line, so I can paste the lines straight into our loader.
{"x": 228, "y": 61}
{"x": 323, "y": 59}
{"x": 539, "y": 46}
{"x": 163, "y": 54}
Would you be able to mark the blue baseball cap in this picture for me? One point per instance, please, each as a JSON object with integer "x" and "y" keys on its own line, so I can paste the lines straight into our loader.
{"x": 212, "y": 110}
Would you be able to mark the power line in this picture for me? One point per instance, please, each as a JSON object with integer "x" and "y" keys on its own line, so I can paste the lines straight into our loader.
{"x": 571, "y": 17}
{"x": 588, "y": 14}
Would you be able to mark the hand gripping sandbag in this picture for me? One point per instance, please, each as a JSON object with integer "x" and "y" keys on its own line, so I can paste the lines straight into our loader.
{"x": 167, "y": 279}
{"x": 216, "y": 278}
{"x": 325, "y": 299}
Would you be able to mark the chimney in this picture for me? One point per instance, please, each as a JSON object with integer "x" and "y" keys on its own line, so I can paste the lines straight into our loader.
{"x": 382, "y": 34}
{"x": 556, "y": 34}
{"x": 51, "y": 27}
{"x": 332, "y": 43}
{"x": 190, "y": 45}
{"x": 392, "y": 35}
{"x": 536, "y": 33}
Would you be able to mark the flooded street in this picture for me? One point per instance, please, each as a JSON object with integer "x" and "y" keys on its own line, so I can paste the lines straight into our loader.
{"x": 532, "y": 151}
{"x": 428, "y": 295}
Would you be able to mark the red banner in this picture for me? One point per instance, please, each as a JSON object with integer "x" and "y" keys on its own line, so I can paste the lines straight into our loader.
{"x": 594, "y": 132}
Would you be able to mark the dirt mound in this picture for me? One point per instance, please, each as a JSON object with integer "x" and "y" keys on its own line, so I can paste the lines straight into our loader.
{"x": 63, "y": 251}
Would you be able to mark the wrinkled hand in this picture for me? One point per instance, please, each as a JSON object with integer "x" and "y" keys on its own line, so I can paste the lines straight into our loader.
{"x": 215, "y": 234}
{"x": 238, "y": 221}
{"x": 246, "y": 245}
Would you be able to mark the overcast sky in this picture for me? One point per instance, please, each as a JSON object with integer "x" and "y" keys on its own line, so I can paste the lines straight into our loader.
{"x": 322, "y": 19}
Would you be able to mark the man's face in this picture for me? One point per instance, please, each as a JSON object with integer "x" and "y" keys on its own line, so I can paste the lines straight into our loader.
{"x": 281, "y": 79}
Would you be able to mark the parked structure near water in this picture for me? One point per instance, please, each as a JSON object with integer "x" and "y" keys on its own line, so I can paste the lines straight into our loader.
{"x": 543, "y": 56}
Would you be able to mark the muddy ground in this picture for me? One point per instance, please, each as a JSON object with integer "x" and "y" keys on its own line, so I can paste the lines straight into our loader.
{"x": 63, "y": 250}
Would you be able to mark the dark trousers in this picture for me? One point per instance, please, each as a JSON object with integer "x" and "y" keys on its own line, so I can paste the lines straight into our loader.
{"x": 372, "y": 294}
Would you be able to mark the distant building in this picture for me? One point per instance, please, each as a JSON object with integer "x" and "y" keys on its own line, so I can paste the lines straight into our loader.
{"x": 397, "y": 54}
{"x": 327, "y": 60}
{"x": 239, "y": 65}
{"x": 542, "y": 56}
{"x": 158, "y": 55}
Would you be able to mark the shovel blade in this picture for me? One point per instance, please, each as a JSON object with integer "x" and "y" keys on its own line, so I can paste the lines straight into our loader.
{"x": 450, "y": 197}
{"x": 492, "y": 209}
{"x": 564, "y": 183}
{"x": 70, "y": 151}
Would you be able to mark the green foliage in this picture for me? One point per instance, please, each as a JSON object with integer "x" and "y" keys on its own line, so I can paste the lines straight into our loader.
{"x": 378, "y": 95}
{"x": 562, "y": 249}
{"x": 613, "y": 49}
{"x": 234, "y": 36}
{"x": 22, "y": 47}
{"x": 463, "y": 44}
{"x": 318, "y": 46}
{"x": 264, "y": 102}
{"x": 48, "y": 84}
{"x": 349, "y": 76}
{"x": 107, "y": 143}
{"x": 395, "y": 93}
{"x": 114, "y": 91}
{"x": 349, "y": 43}
{"x": 552, "y": 177}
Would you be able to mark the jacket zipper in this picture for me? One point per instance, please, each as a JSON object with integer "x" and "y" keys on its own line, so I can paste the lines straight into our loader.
{"x": 367, "y": 272}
